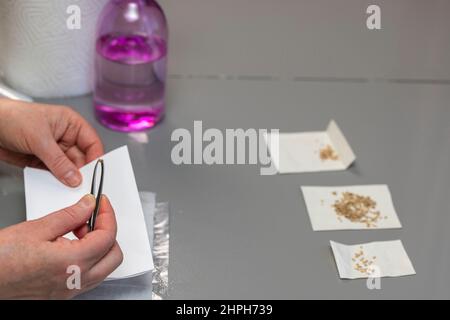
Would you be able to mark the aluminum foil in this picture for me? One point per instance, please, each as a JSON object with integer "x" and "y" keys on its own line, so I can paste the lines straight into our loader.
{"x": 160, "y": 248}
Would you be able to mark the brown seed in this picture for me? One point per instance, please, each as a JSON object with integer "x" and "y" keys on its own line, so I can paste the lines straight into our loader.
{"x": 366, "y": 267}
{"x": 357, "y": 208}
{"x": 328, "y": 153}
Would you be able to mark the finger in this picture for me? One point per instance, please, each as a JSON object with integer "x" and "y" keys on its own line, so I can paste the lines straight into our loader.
{"x": 62, "y": 240}
{"x": 76, "y": 156}
{"x": 56, "y": 161}
{"x": 82, "y": 231}
{"x": 96, "y": 244}
{"x": 88, "y": 140}
{"x": 15, "y": 158}
{"x": 37, "y": 164}
{"x": 66, "y": 220}
{"x": 102, "y": 269}
{"x": 21, "y": 160}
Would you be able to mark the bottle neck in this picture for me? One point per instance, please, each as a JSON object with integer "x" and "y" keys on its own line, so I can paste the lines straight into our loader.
{"x": 132, "y": 8}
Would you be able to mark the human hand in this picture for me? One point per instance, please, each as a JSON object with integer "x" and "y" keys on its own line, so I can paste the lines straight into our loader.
{"x": 34, "y": 258}
{"x": 47, "y": 136}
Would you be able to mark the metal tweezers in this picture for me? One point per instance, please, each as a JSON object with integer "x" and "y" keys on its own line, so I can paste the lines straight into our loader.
{"x": 96, "y": 192}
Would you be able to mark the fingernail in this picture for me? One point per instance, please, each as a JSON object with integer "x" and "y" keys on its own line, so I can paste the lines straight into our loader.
{"x": 72, "y": 178}
{"x": 88, "y": 201}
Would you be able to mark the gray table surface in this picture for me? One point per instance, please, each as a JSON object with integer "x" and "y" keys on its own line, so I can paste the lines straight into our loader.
{"x": 294, "y": 65}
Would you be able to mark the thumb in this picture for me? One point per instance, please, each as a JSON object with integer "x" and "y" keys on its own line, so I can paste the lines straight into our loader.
{"x": 58, "y": 163}
{"x": 66, "y": 220}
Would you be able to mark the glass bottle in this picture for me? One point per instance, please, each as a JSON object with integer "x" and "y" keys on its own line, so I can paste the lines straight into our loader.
{"x": 130, "y": 66}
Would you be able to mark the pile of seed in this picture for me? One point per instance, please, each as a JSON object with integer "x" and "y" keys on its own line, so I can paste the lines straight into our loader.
{"x": 357, "y": 208}
{"x": 328, "y": 153}
{"x": 363, "y": 264}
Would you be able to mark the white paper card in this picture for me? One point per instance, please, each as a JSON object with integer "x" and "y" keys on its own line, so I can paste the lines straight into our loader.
{"x": 301, "y": 152}
{"x": 45, "y": 194}
{"x": 320, "y": 205}
{"x": 375, "y": 259}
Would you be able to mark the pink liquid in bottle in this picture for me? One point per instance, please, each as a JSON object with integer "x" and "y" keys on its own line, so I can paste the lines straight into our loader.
{"x": 131, "y": 60}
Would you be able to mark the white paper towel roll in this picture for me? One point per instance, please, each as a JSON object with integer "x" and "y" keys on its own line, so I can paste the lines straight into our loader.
{"x": 39, "y": 55}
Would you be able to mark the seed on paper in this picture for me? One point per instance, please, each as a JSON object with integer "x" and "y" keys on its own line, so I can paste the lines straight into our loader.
{"x": 328, "y": 153}
{"x": 358, "y": 209}
{"x": 364, "y": 265}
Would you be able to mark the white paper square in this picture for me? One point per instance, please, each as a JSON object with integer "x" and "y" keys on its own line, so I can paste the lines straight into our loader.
{"x": 319, "y": 203}
{"x": 45, "y": 194}
{"x": 389, "y": 259}
{"x": 300, "y": 152}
